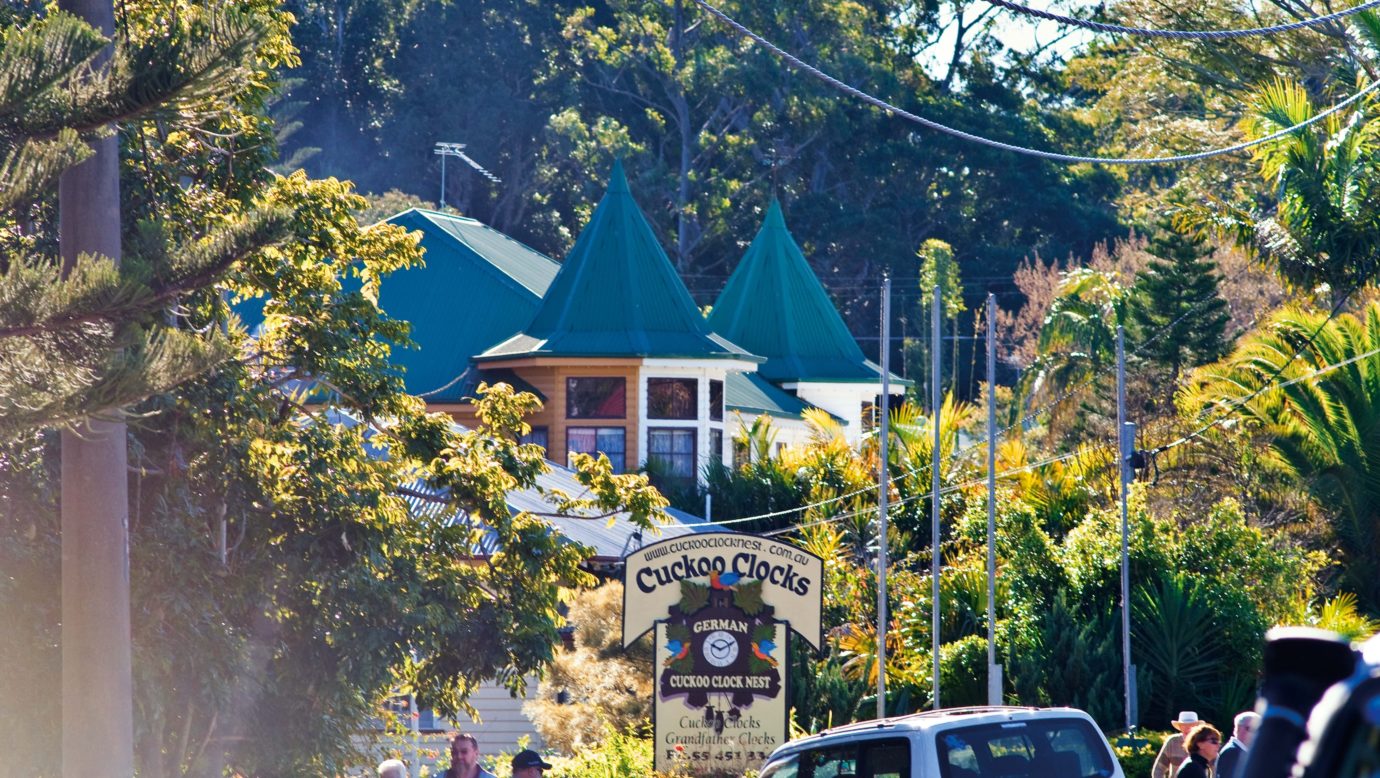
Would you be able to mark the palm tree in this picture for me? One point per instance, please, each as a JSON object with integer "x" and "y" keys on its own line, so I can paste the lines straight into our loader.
{"x": 1324, "y": 427}
{"x": 1077, "y": 338}
{"x": 1324, "y": 230}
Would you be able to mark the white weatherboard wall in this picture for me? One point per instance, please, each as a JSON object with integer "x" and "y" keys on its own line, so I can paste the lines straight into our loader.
{"x": 843, "y": 400}
{"x": 503, "y": 724}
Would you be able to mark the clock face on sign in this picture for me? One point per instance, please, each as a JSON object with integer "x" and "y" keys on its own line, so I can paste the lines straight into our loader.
{"x": 720, "y": 648}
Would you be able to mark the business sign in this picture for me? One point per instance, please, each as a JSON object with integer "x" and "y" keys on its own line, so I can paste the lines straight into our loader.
{"x": 720, "y": 690}
{"x": 785, "y": 577}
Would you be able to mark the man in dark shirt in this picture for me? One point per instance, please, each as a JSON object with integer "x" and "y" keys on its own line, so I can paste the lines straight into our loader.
{"x": 1233, "y": 754}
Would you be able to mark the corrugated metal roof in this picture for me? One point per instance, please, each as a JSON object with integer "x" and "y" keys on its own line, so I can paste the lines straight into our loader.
{"x": 468, "y": 385}
{"x": 478, "y": 288}
{"x": 775, "y": 307}
{"x": 752, "y": 395}
{"x": 617, "y": 295}
{"x": 608, "y": 541}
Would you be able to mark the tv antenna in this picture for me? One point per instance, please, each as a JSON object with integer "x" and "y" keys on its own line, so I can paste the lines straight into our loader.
{"x": 456, "y": 150}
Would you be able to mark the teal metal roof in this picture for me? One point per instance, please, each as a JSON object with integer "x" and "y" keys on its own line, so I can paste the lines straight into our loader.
{"x": 617, "y": 295}
{"x": 775, "y": 307}
{"x": 478, "y": 287}
{"x": 752, "y": 395}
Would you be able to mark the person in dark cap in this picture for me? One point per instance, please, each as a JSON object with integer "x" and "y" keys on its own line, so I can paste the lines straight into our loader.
{"x": 528, "y": 764}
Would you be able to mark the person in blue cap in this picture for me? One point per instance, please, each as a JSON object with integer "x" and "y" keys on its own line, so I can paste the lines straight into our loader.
{"x": 528, "y": 764}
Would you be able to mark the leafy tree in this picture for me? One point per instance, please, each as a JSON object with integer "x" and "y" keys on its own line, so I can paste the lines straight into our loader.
{"x": 1077, "y": 342}
{"x": 1323, "y": 233}
{"x": 938, "y": 267}
{"x": 282, "y": 585}
{"x": 1176, "y": 306}
{"x": 1321, "y": 429}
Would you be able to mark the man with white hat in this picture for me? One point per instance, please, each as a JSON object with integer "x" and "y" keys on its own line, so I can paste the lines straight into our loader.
{"x": 1173, "y": 753}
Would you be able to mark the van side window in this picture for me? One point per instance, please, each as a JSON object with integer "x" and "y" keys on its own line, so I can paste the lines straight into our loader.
{"x": 889, "y": 758}
{"x": 1044, "y": 748}
{"x": 886, "y": 759}
{"x": 839, "y": 762}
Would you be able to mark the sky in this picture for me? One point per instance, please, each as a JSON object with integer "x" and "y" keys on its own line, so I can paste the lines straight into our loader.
{"x": 1020, "y": 33}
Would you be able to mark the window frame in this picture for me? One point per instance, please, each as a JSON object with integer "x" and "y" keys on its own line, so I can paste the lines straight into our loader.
{"x": 693, "y": 454}
{"x": 572, "y": 391}
{"x": 716, "y": 409}
{"x": 620, "y": 465}
{"x": 693, "y": 384}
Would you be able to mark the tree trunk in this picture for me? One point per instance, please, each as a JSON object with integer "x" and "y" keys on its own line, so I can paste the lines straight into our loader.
{"x": 97, "y": 689}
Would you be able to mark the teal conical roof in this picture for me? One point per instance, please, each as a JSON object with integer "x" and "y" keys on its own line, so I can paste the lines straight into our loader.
{"x": 775, "y": 307}
{"x": 617, "y": 295}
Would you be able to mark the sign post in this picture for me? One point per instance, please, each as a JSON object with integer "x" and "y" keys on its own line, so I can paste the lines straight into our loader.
{"x": 717, "y": 602}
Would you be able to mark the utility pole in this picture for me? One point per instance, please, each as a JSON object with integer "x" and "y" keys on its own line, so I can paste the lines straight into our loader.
{"x": 97, "y": 688}
{"x": 936, "y": 360}
{"x": 994, "y": 680}
{"x": 1126, "y": 433}
{"x": 883, "y": 485}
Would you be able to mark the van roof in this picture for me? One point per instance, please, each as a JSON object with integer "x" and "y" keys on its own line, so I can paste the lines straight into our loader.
{"x": 925, "y": 720}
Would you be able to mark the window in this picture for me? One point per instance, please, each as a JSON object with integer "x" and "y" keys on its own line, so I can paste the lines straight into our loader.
{"x": 888, "y": 758}
{"x": 741, "y": 453}
{"x": 716, "y": 400}
{"x": 785, "y": 768}
{"x": 596, "y": 398}
{"x": 609, "y": 441}
{"x": 871, "y": 416}
{"x": 673, "y": 451}
{"x": 539, "y": 435}
{"x": 830, "y": 763}
{"x": 716, "y": 446}
{"x": 1056, "y": 747}
{"x": 672, "y": 398}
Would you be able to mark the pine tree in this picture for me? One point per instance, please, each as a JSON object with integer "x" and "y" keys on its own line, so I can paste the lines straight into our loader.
{"x": 83, "y": 337}
{"x": 1177, "y": 309}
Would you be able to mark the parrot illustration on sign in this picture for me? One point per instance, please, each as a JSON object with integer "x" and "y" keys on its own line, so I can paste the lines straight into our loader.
{"x": 762, "y": 650}
{"x": 678, "y": 651}
{"x": 723, "y": 581}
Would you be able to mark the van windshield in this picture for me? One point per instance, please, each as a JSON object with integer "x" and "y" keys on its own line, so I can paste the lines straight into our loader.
{"x": 1043, "y": 748}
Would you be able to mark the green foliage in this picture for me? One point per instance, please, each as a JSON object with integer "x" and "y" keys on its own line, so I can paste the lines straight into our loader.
{"x": 87, "y": 335}
{"x": 1177, "y": 302}
{"x": 963, "y": 671}
{"x": 1323, "y": 231}
{"x": 1138, "y": 760}
{"x": 617, "y": 754}
{"x": 596, "y": 688}
{"x": 693, "y": 596}
{"x": 748, "y": 596}
{"x": 1320, "y": 428}
{"x": 1077, "y": 340}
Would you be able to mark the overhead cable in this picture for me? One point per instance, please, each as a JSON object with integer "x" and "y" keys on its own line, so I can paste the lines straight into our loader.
{"x": 848, "y": 89}
{"x": 1210, "y": 35}
{"x": 1269, "y": 381}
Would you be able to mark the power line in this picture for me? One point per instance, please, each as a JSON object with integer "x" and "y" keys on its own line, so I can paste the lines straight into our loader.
{"x": 1269, "y": 382}
{"x": 1210, "y": 35}
{"x": 801, "y": 65}
{"x": 946, "y": 490}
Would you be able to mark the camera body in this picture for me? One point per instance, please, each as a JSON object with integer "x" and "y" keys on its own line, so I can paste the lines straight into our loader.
{"x": 1320, "y": 708}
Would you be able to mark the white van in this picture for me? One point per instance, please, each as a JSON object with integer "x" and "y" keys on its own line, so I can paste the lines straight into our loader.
{"x": 981, "y": 742}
